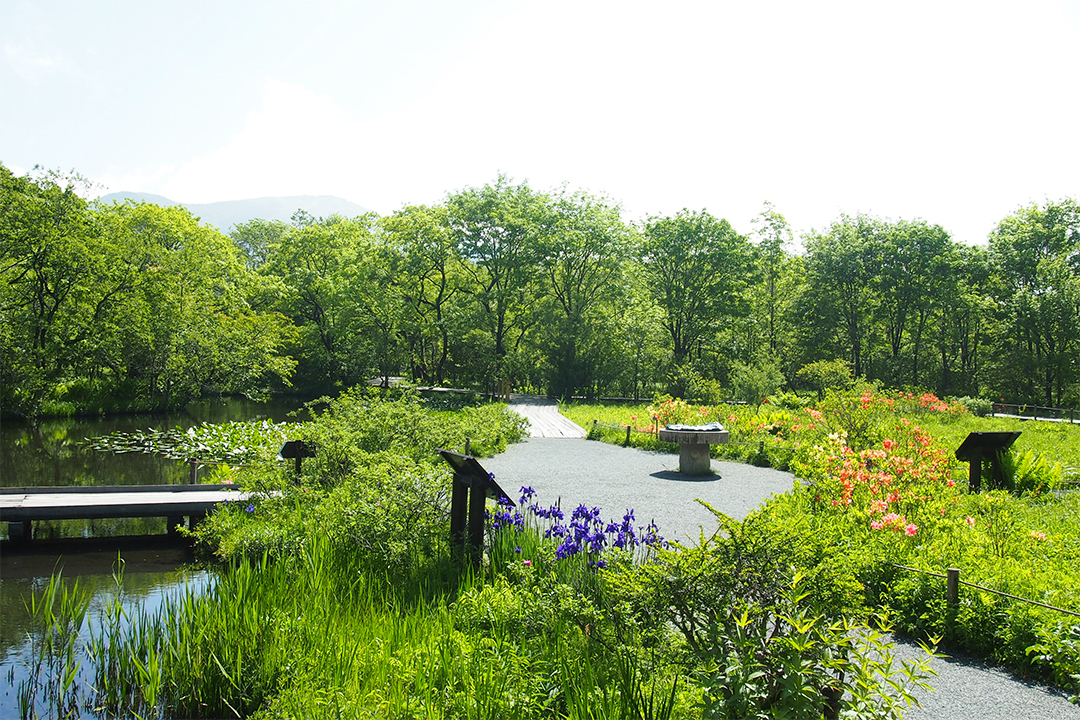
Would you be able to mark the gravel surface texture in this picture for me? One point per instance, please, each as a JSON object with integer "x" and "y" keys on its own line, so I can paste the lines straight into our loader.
{"x": 616, "y": 478}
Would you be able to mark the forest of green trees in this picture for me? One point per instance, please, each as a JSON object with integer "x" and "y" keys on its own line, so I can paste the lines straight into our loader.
{"x": 134, "y": 306}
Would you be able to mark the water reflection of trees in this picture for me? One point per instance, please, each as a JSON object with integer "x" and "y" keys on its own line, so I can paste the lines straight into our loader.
{"x": 48, "y": 453}
{"x": 139, "y": 588}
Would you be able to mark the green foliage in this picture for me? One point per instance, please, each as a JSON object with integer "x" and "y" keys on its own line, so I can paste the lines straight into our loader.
{"x": 691, "y": 588}
{"x": 57, "y": 616}
{"x": 685, "y": 381}
{"x": 979, "y": 407}
{"x": 806, "y": 667}
{"x": 132, "y": 306}
{"x": 231, "y": 442}
{"x": 825, "y": 375}
{"x": 696, "y": 268}
{"x": 754, "y": 383}
{"x": 123, "y": 307}
{"x": 762, "y": 641}
{"x": 375, "y": 486}
{"x": 1029, "y": 472}
{"x": 330, "y": 280}
{"x": 1033, "y": 253}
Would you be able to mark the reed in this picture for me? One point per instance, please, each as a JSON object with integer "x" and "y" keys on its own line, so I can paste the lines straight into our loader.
{"x": 55, "y": 657}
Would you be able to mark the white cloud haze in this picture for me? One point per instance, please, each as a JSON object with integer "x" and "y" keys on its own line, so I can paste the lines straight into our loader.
{"x": 954, "y": 112}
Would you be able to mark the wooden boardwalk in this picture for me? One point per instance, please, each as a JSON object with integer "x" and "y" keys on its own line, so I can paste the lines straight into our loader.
{"x": 544, "y": 417}
{"x": 23, "y": 506}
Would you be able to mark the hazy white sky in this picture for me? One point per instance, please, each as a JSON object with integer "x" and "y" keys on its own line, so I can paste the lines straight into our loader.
{"x": 954, "y": 112}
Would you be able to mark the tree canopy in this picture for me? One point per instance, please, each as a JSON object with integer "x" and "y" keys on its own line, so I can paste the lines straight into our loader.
{"x": 134, "y": 306}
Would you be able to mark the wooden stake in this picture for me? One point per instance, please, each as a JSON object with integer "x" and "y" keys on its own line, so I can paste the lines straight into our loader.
{"x": 952, "y": 588}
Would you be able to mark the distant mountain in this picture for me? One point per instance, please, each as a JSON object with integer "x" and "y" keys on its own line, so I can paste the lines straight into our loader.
{"x": 138, "y": 197}
{"x": 224, "y": 215}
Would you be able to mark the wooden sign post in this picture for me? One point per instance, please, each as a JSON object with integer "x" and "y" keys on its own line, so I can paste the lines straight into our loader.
{"x": 299, "y": 450}
{"x": 979, "y": 445}
{"x": 472, "y": 485}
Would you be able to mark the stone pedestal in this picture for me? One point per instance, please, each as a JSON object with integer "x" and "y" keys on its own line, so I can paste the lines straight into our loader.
{"x": 694, "y": 448}
{"x": 694, "y": 459}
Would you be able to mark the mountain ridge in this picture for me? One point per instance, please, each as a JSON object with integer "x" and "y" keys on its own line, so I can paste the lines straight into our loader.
{"x": 227, "y": 214}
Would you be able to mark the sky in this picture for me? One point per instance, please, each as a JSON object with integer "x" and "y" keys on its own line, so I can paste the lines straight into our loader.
{"x": 958, "y": 113}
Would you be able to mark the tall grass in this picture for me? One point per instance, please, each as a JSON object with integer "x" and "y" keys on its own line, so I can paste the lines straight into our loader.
{"x": 315, "y": 638}
{"x": 56, "y": 623}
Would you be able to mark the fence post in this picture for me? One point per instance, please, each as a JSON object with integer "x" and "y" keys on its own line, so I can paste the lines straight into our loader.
{"x": 468, "y": 447}
{"x": 952, "y": 588}
{"x": 656, "y": 425}
{"x": 628, "y": 436}
{"x": 194, "y": 471}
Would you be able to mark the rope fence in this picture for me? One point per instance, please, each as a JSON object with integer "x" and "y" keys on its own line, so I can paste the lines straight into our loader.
{"x": 953, "y": 583}
{"x": 655, "y": 431}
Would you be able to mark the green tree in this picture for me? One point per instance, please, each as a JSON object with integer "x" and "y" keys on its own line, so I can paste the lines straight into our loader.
{"x": 582, "y": 257}
{"x": 320, "y": 262}
{"x": 916, "y": 263}
{"x": 49, "y": 300}
{"x": 257, "y": 239}
{"x": 838, "y": 307}
{"x": 188, "y": 328}
{"x": 961, "y": 324}
{"x": 497, "y": 229}
{"x": 122, "y": 307}
{"x": 772, "y": 297}
{"x": 1036, "y": 259}
{"x": 429, "y": 280}
{"x": 697, "y": 269}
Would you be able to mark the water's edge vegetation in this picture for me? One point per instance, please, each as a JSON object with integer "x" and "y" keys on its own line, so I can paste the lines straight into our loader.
{"x": 338, "y": 593}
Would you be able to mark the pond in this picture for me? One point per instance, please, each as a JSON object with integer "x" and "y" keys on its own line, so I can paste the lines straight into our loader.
{"x": 154, "y": 565}
{"x": 50, "y": 454}
{"x": 152, "y": 568}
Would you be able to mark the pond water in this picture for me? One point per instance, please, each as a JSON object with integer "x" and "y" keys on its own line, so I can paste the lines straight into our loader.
{"x": 154, "y": 565}
{"x": 50, "y": 454}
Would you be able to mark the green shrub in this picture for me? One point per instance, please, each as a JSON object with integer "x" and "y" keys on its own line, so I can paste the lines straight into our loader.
{"x": 825, "y": 375}
{"x": 979, "y": 407}
{"x": 754, "y": 383}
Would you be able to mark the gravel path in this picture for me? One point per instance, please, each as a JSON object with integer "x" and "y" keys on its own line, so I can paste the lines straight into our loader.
{"x": 616, "y": 478}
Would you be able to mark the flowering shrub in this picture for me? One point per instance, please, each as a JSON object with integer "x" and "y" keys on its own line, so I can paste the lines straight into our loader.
{"x": 668, "y": 410}
{"x": 890, "y": 485}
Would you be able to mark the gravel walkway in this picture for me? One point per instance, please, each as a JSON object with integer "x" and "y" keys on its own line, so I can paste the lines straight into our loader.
{"x": 616, "y": 478}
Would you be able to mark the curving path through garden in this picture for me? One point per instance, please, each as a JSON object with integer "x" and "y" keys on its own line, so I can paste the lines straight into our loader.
{"x": 544, "y": 417}
{"x": 578, "y": 471}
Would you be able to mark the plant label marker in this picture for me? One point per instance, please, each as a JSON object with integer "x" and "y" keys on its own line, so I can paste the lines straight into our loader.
{"x": 978, "y": 445}
{"x": 299, "y": 450}
{"x": 472, "y": 485}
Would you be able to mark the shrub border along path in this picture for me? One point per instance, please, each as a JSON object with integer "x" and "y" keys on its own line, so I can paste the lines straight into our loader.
{"x": 616, "y": 478}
